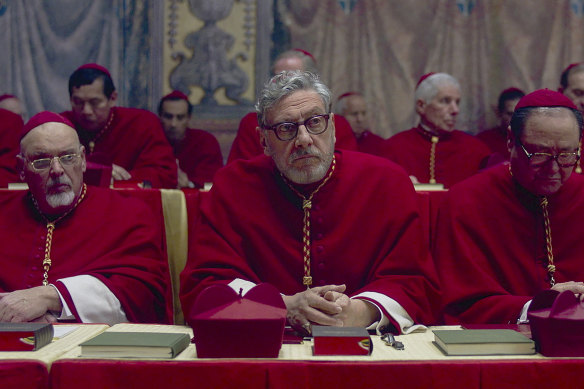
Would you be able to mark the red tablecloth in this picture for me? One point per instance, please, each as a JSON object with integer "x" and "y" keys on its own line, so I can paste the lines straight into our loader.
{"x": 23, "y": 374}
{"x": 533, "y": 374}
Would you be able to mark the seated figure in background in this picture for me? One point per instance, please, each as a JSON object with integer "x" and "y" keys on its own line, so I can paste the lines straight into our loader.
{"x": 130, "y": 139}
{"x": 353, "y": 107}
{"x": 434, "y": 152}
{"x": 496, "y": 138}
{"x": 197, "y": 152}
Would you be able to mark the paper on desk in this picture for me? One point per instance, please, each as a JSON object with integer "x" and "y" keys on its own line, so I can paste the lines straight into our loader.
{"x": 61, "y": 331}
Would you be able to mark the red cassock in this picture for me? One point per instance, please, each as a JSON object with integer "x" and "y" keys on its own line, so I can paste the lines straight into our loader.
{"x": 10, "y": 131}
{"x": 458, "y": 155}
{"x": 490, "y": 245}
{"x": 135, "y": 141}
{"x": 246, "y": 144}
{"x": 365, "y": 233}
{"x": 496, "y": 139}
{"x": 370, "y": 143}
{"x": 107, "y": 236}
{"x": 199, "y": 156}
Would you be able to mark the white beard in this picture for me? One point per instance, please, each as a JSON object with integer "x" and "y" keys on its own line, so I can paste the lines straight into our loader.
{"x": 60, "y": 199}
{"x": 56, "y": 200}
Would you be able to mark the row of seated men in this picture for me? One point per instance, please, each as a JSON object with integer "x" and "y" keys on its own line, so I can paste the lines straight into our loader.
{"x": 338, "y": 232}
{"x": 431, "y": 152}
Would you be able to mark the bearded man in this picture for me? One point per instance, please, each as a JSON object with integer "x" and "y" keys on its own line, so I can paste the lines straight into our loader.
{"x": 337, "y": 232}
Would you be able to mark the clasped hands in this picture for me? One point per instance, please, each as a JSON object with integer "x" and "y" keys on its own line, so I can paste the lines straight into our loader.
{"x": 30, "y": 305}
{"x": 329, "y": 306}
{"x": 576, "y": 287}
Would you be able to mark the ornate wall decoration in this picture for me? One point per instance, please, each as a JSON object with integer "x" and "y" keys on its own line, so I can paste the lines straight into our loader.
{"x": 208, "y": 66}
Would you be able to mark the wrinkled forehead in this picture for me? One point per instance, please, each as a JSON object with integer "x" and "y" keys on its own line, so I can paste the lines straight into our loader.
{"x": 51, "y": 137}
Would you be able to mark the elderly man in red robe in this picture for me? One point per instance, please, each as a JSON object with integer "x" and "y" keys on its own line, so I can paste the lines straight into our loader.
{"x": 197, "y": 152}
{"x": 434, "y": 152}
{"x": 337, "y": 232}
{"x": 73, "y": 252}
{"x": 247, "y": 145}
{"x": 512, "y": 231}
{"x": 130, "y": 139}
{"x": 353, "y": 107}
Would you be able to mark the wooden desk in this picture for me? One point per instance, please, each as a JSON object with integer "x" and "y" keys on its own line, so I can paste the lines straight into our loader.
{"x": 30, "y": 369}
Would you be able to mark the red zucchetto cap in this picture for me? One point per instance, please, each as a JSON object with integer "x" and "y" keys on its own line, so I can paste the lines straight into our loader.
{"x": 95, "y": 67}
{"x": 305, "y": 53}
{"x": 176, "y": 94}
{"x": 424, "y": 77}
{"x": 545, "y": 98}
{"x": 42, "y": 118}
{"x": 347, "y": 94}
{"x": 6, "y": 96}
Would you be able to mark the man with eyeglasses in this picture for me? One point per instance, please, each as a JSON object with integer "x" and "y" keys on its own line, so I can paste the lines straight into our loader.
{"x": 337, "y": 232}
{"x": 513, "y": 230}
{"x": 246, "y": 144}
{"x": 130, "y": 139}
{"x": 72, "y": 252}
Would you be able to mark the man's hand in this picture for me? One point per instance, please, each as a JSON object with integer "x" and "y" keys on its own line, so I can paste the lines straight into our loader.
{"x": 356, "y": 312}
{"x": 29, "y": 304}
{"x": 576, "y": 287}
{"x": 119, "y": 173}
{"x": 310, "y": 306}
{"x": 183, "y": 179}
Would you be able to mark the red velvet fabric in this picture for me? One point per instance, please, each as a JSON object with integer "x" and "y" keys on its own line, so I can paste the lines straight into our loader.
{"x": 458, "y": 155}
{"x": 468, "y": 374}
{"x": 136, "y": 142}
{"x": 111, "y": 238}
{"x": 496, "y": 139}
{"x": 199, "y": 156}
{"x": 10, "y": 129}
{"x": 23, "y": 374}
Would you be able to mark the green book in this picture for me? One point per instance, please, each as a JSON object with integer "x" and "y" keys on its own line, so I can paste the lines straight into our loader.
{"x": 483, "y": 342}
{"x": 135, "y": 345}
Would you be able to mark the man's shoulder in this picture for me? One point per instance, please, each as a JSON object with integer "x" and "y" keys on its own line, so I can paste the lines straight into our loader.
{"x": 127, "y": 113}
{"x": 402, "y": 136}
{"x": 481, "y": 184}
{"x": 365, "y": 164}
{"x": 195, "y": 134}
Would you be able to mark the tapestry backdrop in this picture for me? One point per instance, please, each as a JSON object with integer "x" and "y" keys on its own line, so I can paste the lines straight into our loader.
{"x": 378, "y": 47}
{"x": 382, "y": 47}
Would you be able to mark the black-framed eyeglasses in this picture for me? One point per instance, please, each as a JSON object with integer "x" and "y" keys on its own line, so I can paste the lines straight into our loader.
{"x": 45, "y": 163}
{"x": 288, "y": 130}
{"x": 563, "y": 159}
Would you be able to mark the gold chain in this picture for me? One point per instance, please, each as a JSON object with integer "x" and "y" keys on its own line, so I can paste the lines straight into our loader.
{"x": 50, "y": 228}
{"x": 578, "y": 168}
{"x": 551, "y": 268}
{"x": 306, "y": 206}
{"x": 434, "y": 141}
{"x": 92, "y": 142}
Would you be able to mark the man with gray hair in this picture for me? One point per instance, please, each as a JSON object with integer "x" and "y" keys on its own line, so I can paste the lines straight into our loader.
{"x": 337, "y": 232}
{"x": 246, "y": 144}
{"x": 434, "y": 152}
